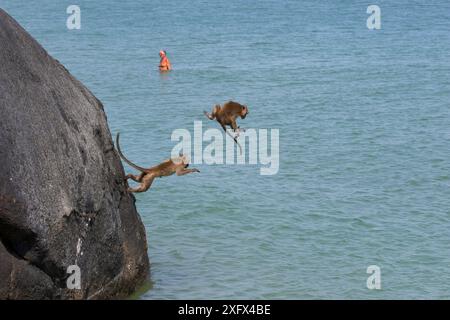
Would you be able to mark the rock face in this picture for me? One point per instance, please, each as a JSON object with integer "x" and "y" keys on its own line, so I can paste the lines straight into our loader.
{"x": 63, "y": 201}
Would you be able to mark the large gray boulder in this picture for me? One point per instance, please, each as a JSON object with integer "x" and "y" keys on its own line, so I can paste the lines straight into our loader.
{"x": 63, "y": 200}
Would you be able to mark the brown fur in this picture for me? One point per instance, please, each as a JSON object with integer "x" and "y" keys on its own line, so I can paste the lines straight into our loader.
{"x": 227, "y": 115}
{"x": 166, "y": 168}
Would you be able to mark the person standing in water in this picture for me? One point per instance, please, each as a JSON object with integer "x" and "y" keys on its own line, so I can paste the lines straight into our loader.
{"x": 164, "y": 64}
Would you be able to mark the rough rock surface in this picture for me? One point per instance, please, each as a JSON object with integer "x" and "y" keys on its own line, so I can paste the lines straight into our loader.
{"x": 62, "y": 197}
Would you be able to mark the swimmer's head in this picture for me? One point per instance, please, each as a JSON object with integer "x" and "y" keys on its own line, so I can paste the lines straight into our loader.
{"x": 162, "y": 53}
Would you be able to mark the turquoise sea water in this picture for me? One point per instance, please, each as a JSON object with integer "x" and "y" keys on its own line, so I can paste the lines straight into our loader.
{"x": 364, "y": 119}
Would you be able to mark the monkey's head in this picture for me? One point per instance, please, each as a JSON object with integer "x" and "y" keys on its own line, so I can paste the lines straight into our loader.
{"x": 244, "y": 112}
{"x": 184, "y": 160}
{"x": 181, "y": 159}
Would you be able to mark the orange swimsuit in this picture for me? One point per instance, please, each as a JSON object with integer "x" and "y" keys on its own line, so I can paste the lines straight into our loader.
{"x": 164, "y": 65}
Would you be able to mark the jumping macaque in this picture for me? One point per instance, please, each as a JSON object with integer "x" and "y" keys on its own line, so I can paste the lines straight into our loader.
{"x": 166, "y": 168}
{"x": 226, "y": 116}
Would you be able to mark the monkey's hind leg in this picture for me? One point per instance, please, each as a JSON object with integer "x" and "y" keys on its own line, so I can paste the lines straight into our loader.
{"x": 144, "y": 186}
{"x": 210, "y": 117}
{"x": 214, "y": 112}
{"x": 236, "y": 129}
{"x": 134, "y": 177}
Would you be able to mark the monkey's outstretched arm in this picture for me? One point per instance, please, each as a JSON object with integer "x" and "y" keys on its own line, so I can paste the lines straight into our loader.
{"x": 234, "y": 125}
{"x": 182, "y": 171}
{"x": 234, "y": 138}
{"x": 236, "y": 128}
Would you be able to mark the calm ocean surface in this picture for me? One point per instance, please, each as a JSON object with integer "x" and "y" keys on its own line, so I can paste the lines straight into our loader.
{"x": 364, "y": 119}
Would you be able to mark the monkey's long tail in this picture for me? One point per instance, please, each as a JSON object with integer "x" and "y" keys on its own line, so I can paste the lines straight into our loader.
{"x": 235, "y": 140}
{"x": 124, "y": 158}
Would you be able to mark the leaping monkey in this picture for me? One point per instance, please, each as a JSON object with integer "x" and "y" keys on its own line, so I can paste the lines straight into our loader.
{"x": 167, "y": 168}
{"x": 227, "y": 115}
